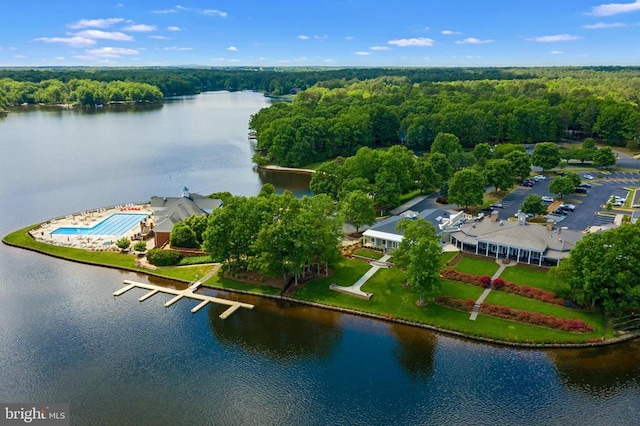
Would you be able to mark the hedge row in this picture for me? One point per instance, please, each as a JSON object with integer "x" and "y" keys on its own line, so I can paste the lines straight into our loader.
{"x": 505, "y": 312}
{"x": 160, "y": 257}
{"x": 506, "y": 286}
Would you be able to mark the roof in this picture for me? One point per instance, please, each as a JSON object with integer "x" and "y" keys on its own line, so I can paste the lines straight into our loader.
{"x": 387, "y": 229}
{"x": 170, "y": 210}
{"x": 554, "y": 243}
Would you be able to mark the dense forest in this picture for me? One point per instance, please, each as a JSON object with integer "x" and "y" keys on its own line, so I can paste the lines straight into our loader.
{"x": 336, "y": 118}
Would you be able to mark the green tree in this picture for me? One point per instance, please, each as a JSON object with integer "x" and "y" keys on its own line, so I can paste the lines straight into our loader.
{"x": 589, "y": 143}
{"x": 574, "y": 177}
{"x": 499, "y": 173}
{"x": 198, "y": 224}
{"x": 520, "y": 163}
{"x": 604, "y": 157}
{"x": 482, "y": 152}
{"x": 358, "y": 209}
{"x": 267, "y": 190}
{"x": 419, "y": 253}
{"x": 440, "y": 165}
{"x": 140, "y": 246}
{"x": 328, "y": 179}
{"x": 603, "y": 269}
{"x": 183, "y": 236}
{"x": 533, "y": 204}
{"x": 562, "y": 186}
{"x": 446, "y": 143}
{"x": 428, "y": 179}
{"x": 467, "y": 188}
{"x": 546, "y": 155}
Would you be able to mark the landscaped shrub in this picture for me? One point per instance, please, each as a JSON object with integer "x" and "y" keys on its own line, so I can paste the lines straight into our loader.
{"x": 505, "y": 312}
{"x": 194, "y": 260}
{"x": 506, "y": 286}
{"x": 159, "y": 257}
{"x": 140, "y": 246}
{"x": 123, "y": 243}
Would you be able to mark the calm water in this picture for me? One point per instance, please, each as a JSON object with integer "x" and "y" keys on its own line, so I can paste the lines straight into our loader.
{"x": 65, "y": 338}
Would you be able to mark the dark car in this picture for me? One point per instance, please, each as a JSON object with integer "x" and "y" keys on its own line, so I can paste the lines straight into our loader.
{"x": 560, "y": 212}
{"x": 527, "y": 183}
{"x": 581, "y": 190}
{"x": 584, "y": 185}
{"x": 497, "y": 206}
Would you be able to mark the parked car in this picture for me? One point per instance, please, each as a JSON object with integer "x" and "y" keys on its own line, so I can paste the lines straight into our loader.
{"x": 540, "y": 177}
{"x": 588, "y": 177}
{"x": 581, "y": 190}
{"x": 547, "y": 199}
{"x": 528, "y": 183}
{"x": 636, "y": 206}
{"x": 497, "y": 206}
{"x": 569, "y": 207}
{"x": 585, "y": 185}
{"x": 560, "y": 212}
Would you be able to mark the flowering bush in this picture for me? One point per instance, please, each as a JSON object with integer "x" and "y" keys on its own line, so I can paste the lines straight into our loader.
{"x": 505, "y": 312}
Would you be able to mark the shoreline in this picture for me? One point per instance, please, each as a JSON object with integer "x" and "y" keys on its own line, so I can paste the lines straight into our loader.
{"x": 481, "y": 339}
{"x": 274, "y": 168}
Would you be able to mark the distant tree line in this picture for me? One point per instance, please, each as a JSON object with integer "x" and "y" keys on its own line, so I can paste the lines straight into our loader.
{"x": 324, "y": 123}
{"x": 80, "y": 92}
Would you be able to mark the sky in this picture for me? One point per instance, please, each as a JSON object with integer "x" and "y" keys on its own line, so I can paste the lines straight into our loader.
{"x": 320, "y": 33}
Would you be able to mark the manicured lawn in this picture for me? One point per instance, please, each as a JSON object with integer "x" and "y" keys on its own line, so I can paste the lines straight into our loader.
{"x": 470, "y": 265}
{"x": 527, "y": 276}
{"x": 447, "y": 256}
{"x": 371, "y": 254}
{"x": 225, "y": 283}
{"x": 390, "y": 298}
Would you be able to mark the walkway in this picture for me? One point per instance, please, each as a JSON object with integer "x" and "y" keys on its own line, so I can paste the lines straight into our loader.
{"x": 355, "y": 288}
{"x": 476, "y": 307}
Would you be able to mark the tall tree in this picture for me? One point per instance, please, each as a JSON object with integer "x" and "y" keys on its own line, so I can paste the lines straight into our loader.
{"x": 467, "y": 188}
{"x": 562, "y": 186}
{"x": 499, "y": 173}
{"x": 358, "y": 209}
{"x": 603, "y": 269}
{"x": 604, "y": 157}
{"x": 546, "y": 155}
{"x": 419, "y": 253}
{"x": 533, "y": 204}
{"x": 446, "y": 143}
{"x": 520, "y": 163}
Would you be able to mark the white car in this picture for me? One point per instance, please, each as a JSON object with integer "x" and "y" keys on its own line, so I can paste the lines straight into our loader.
{"x": 588, "y": 177}
{"x": 540, "y": 177}
{"x": 547, "y": 199}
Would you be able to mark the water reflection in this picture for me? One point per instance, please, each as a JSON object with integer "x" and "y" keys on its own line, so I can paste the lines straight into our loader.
{"x": 297, "y": 183}
{"x": 414, "y": 351}
{"x": 279, "y": 330}
{"x": 598, "y": 370}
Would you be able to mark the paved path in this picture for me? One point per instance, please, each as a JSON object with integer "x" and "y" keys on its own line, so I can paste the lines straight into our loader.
{"x": 476, "y": 307}
{"x": 355, "y": 288}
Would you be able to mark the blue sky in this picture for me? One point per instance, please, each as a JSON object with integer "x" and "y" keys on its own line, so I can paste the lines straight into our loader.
{"x": 320, "y": 32}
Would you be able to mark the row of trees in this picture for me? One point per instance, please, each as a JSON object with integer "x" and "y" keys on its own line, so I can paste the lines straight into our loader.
{"x": 81, "y": 92}
{"x": 274, "y": 234}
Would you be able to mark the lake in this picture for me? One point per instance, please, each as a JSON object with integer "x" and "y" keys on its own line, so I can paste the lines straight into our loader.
{"x": 64, "y": 338}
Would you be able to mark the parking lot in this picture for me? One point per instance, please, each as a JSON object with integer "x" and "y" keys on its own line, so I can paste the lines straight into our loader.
{"x": 587, "y": 205}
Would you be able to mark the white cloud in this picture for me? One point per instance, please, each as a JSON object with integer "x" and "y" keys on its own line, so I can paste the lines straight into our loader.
{"x": 176, "y": 48}
{"x": 104, "y": 35}
{"x": 615, "y": 8}
{"x": 329, "y": 60}
{"x": 174, "y": 28}
{"x": 303, "y": 37}
{"x": 554, "y": 38}
{"x": 557, "y": 52}
{"x": 160, "y": 37}
{"x": 449, "y": 32}
{"x": 600, "y": 25}
{"x": 140, "y": 28}
{"x": 232, "y": 49}
{"x": 380, "y": 48}
{"x": 404, "y": 42}
{"x": 473, "y": 40}
{"x": 317, "y": 37}
{"x": 164, "y": 11}
{"x": 110, "y": 52}
{"x": 59, "y": 58}
{"x": 362, "y": 53}
{"x": 214, "y": 12}
{"x": 349, "y": 38}
{"x": 208, "y": 12}
{"x": 71, "y": 41}
{"x": 427, "y": 28}
{"x": 95, "y": 23}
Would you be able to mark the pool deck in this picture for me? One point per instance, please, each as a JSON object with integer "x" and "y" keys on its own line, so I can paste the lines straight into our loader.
{"x": 89, "y": 219}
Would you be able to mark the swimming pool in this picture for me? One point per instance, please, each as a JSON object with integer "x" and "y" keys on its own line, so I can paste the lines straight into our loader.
{"x": 116, "y": 224}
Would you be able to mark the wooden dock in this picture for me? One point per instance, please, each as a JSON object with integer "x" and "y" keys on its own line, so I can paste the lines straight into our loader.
{"x": 179, "y": 294}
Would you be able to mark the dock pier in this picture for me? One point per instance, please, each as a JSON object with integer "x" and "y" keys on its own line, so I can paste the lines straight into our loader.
{"x": 179, "y": 294}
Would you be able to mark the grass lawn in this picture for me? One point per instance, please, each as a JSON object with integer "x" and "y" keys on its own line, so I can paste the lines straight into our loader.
{"x": 391, "y": 299}
{"x": 371, "y": 254}
{"x": 225, "y": 283}
{"x": 471, "y": 265}
{"x": 447, "y": 256}
{"x": 527, "y": 276}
